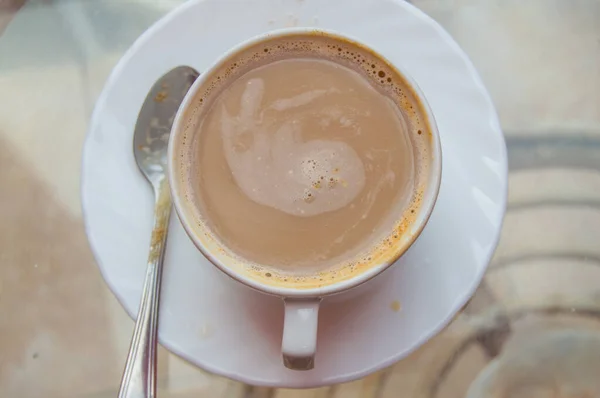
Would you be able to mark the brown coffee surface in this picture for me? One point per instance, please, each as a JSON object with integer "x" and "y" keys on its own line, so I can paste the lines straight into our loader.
{"x": 302, "y": 163}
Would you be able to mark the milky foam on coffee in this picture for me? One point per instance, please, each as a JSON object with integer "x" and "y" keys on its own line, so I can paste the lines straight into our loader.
{"x": 277, "y": 169}
{"x": 282, "y": 167}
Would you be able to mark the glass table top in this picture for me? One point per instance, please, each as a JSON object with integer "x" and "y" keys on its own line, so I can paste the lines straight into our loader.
{"x": 531, "y": 330}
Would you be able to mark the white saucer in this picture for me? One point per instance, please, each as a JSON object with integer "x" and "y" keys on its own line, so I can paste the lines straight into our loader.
{"x": 233, "y": 331}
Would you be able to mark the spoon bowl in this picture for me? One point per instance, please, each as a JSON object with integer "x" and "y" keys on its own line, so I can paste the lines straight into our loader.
{"x": 153, "y": 126}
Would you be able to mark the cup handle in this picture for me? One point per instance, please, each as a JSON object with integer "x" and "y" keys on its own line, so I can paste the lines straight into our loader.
{"x": 299, "y": 342}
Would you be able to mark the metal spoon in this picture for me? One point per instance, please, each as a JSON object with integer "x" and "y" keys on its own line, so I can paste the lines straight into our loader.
{"x": 150, "y": 141}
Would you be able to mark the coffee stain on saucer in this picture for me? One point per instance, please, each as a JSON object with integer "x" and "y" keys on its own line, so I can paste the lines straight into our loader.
{"x": 396, "y": 306}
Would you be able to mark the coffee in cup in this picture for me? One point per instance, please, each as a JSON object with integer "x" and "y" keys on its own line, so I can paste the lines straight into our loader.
{"x": 303, "y": 163}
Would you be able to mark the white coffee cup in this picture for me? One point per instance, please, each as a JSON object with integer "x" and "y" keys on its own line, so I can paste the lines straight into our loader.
{"x": 299, "y": 341}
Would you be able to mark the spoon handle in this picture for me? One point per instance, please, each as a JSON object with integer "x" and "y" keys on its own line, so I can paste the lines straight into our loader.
{"x": 139, "y": 377}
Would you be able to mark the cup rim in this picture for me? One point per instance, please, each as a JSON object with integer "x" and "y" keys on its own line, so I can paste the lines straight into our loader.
{"x": 428, "y": 202}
